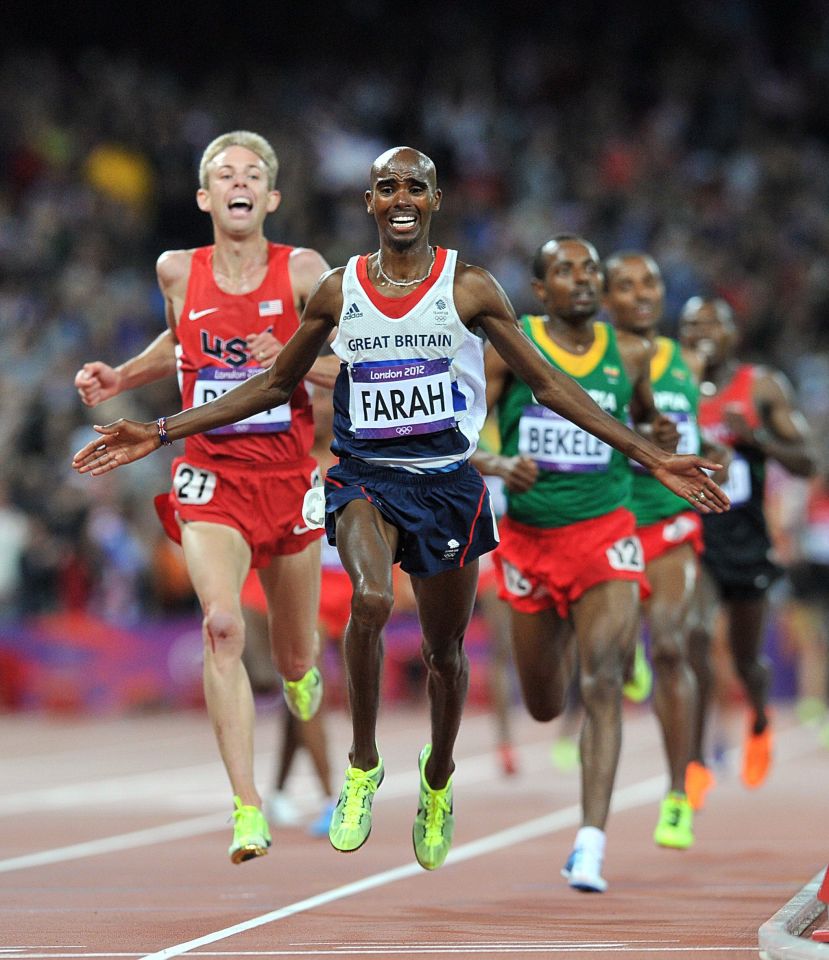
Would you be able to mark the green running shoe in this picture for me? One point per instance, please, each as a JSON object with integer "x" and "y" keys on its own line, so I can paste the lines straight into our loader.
{"x": 351, "y": 820}
{"x": 251, "y": 836}
{"x": 565, "y": 754}
{"x": 434, "y": 824}
{"x": 304, "y": 696}
{"x": 676, "y": 823}
{"x": 638, "y": 687}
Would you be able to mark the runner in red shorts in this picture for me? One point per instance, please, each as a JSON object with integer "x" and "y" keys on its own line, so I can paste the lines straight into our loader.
{"x": 571, "y": 565}
{"x": 237, "y": 492}
{"x": 670, "y": 534}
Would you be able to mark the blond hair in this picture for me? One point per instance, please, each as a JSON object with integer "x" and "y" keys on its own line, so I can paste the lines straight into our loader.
{"x": 240, "y": 138}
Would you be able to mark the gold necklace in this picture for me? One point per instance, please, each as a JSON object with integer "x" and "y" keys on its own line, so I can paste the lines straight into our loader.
{"x": 403, "y": 283}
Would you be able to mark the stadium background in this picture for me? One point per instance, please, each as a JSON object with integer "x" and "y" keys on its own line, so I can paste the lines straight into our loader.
{"x": 697, "y": 131}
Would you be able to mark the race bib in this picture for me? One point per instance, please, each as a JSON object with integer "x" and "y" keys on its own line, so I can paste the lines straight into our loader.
{"x": 815, "y": 543}
{"x": 313, "y": 508}
{"x": 626, "y": 554}
{"x": 401, "y": 398}
{"x": 558, "y": 445}
{"x": 514, "y": 581}
{"x": 194, "y": 484}
{"x": 679, "y": 529}
{"x": 212, "y": 382}
{"x": 686, "y": 424}
{"x": 738, "y": 485}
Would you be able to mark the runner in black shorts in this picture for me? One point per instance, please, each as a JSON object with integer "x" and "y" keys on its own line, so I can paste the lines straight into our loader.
{"x": 750, "y": 409}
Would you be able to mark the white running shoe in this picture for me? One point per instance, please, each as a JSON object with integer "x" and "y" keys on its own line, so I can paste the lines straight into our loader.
{"x": 583, "y": 871}
{"x": 281, "y": 810}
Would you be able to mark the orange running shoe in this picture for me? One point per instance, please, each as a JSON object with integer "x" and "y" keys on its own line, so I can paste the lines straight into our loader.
{"x": 509, "y": 762}
{"x": 698, "y": 781}
{"x": 756, "y": 757}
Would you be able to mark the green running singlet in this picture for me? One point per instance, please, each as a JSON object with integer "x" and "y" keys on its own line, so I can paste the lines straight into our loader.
{"x": 580, "y": 477}
{"x": 675, "y": 394}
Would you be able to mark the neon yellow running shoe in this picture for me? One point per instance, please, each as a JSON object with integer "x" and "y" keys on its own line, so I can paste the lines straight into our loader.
{"x": 676, "y": 823}
{"x": 434, "y": 824}
{"x": 638, "y": 687}
{"x": 351, "y": 820}
{"x": 304, "y": 696}
{"x": 251, "y": 836}
{"x": 565, "y": 753}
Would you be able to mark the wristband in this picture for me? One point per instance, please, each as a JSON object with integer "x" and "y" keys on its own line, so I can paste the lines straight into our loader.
{"x": 163, "y": 436}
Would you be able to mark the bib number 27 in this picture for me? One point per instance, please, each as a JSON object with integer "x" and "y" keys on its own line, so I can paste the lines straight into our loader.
{"x": 193, "y": 484}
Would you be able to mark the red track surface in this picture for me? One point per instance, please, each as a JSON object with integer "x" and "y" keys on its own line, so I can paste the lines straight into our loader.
{"x": 113, "y": 837}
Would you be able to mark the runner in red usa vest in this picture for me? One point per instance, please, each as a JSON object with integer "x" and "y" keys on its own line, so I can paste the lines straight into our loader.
{"x": 237, "y": 491}
{"x": 750, "y": 409}
{"x": 671, "y": 535}
{"x": 409, "y": 322}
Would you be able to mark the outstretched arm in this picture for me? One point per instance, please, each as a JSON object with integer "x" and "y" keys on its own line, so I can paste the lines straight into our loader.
{"x": 481, "y": 302}
{"x": 127, "y": 440}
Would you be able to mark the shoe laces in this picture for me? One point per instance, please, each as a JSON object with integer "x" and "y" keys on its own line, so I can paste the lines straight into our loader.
{"x": 301, "y": 689}
{"x": 246, "y": 819}
{"x": 436, "y": 808}
{"x": 672, "y": 814}
{"x": 359, "y": 787}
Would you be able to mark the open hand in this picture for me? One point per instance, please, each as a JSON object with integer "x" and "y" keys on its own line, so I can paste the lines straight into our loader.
{"x": 120, "y": 442}
{"x": 686, "y": 476}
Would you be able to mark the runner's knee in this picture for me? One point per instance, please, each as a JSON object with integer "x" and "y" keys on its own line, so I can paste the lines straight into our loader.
{"x": 448, "y": 660}
{"x": 224, "y": 631}
{"x": 667, "y": 651}
{"x": 371, "y": 607}
{"x": 601, "y": 686}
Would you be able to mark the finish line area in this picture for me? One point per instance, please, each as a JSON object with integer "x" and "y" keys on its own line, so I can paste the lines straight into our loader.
{"x": 114, "y": 834}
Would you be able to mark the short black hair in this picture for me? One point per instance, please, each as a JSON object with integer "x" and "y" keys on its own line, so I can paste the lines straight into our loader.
{"x": 541, "y": 257}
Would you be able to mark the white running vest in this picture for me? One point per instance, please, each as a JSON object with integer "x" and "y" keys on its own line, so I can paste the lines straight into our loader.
{"x": 413, "y": 393}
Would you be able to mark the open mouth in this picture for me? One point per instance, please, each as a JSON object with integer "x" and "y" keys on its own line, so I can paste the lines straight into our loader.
{"x": 403, "y": 223}
{"x": 240, "y": 205}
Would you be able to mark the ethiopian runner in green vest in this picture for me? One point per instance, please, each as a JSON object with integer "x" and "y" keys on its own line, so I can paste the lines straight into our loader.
{"x": 670, "y": 533}
{"x": 571, "y": 565}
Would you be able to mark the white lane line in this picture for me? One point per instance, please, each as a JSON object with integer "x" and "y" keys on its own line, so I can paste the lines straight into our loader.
{"x": 478, "y": 769}
{"x": 123, "y": 841}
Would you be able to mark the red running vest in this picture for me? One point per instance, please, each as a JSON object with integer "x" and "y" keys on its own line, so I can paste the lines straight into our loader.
{"x": 213, "y": 357}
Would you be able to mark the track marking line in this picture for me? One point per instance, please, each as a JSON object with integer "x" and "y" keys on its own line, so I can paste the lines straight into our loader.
{"x": 627, "y": 797}
{"x": 624, "y": 798}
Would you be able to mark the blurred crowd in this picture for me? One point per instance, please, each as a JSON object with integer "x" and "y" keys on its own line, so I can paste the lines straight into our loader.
{"x": 710, "y": 152}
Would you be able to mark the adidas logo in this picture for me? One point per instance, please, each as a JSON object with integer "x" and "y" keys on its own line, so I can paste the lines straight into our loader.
{"x": 353, "y": 313}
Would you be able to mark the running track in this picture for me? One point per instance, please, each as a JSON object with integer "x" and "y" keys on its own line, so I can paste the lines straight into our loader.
{"x": 113, "y": 836}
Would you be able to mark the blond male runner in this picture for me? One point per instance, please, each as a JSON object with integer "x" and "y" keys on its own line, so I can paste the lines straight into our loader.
{"x": 237, "y": 493}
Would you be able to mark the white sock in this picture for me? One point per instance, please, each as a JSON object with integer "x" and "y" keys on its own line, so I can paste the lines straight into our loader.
{"x": 591, "y": 838}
